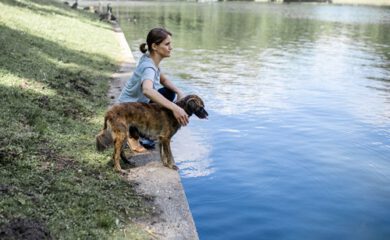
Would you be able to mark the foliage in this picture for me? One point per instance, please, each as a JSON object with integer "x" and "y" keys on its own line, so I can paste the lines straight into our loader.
{"x": 55, "y": 66}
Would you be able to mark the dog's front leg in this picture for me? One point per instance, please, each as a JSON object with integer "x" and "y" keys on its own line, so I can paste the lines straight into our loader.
{"x": 166, "y": 154}
{"x": 162, "y": 153}
{"x": 171, "y": 161}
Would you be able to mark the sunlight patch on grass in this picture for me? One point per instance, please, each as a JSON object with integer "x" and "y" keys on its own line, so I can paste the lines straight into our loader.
{"x": 55, "y": 69}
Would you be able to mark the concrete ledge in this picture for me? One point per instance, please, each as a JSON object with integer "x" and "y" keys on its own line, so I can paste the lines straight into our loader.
{"x": 175, "y": 219}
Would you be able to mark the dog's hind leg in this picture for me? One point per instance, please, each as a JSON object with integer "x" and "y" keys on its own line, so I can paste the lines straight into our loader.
{"x": 120, "y": 138}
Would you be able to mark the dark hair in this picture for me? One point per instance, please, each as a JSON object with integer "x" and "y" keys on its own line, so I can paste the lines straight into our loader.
{"x": 156, "y": 35}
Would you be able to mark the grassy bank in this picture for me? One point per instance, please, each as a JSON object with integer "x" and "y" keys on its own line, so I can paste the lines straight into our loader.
{"x": 55, "y": 65}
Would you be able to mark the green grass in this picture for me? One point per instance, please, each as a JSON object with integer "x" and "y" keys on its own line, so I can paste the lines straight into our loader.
{"x": 55, "y": 66}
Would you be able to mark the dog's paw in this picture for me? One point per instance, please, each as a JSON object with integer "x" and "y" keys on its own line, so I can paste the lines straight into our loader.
{"x": 124, "y": 172}
{"x": 121, "y": 171}
{"x": 173, "y": 167}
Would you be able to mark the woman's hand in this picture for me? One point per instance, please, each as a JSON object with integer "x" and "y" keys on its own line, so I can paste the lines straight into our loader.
{"x": 181, "y": 116}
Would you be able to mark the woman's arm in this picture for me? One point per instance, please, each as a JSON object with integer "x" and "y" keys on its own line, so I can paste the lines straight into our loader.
{"x": 168, "y": 84}
{"x": 155, "y": 96}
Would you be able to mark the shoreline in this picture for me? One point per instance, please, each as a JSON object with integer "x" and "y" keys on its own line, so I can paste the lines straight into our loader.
{"x": 174, "y": 219}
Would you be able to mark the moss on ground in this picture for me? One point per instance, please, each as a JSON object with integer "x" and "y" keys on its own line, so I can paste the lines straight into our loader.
{"x": 55, "y": 67}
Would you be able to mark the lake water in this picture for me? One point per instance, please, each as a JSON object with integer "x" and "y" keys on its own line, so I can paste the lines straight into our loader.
{"x": 297, "y": 144}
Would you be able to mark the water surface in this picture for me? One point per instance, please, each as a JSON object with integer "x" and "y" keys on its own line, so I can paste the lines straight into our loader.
{"x": 297, "y": 145}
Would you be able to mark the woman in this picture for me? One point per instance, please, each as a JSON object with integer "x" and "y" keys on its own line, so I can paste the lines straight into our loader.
{"x": 142, "y": 86}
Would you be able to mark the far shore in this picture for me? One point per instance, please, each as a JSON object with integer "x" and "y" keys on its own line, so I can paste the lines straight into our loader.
{"x": 363, "y": 2}
{"x": 350, "y": 2}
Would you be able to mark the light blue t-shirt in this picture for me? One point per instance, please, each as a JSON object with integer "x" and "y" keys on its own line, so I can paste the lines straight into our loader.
{"x": 145, "y": 70}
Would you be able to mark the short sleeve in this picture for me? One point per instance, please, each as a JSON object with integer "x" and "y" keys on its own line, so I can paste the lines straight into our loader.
{"x": 148, "y": 74}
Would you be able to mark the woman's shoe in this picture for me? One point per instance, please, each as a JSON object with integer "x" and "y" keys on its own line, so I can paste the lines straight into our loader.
{"x": 147, "y": 143}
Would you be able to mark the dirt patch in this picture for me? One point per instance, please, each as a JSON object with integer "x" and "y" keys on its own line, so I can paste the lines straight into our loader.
{"x": 27, "y": 229}
{"x": 50, "y": 158}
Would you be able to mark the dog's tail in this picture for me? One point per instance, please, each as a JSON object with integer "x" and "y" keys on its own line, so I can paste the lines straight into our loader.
{"x": 104, "y": 138}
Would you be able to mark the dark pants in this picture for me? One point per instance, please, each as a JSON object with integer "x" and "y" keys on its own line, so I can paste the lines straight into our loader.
{"x": 168, "y": 94}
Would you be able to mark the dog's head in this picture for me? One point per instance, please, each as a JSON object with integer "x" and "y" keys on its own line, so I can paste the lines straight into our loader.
{"x": 193, "y": 104}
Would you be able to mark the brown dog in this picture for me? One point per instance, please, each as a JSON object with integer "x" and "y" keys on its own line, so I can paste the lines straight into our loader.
{"x": 151, "y": 120}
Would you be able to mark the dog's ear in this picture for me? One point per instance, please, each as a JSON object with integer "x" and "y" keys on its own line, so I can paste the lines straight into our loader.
{"x": 191, "y": 105}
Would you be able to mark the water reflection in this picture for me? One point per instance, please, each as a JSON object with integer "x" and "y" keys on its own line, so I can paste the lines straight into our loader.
{"x": 192, "y": 154}
{"x": 297, "y": 142}
{"x": 247, "y": 58}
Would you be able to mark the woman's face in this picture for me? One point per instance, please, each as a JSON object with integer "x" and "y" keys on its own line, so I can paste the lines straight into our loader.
{"x": 164, "y": 48}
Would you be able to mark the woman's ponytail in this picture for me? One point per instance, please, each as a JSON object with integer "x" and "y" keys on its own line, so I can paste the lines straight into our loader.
{"x": 143, "y": 47}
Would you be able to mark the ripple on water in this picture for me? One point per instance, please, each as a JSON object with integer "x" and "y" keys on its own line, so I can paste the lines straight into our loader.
{"x": 297, "y": 142}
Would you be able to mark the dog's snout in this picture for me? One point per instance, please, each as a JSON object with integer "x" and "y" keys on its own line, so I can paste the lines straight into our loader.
{"x": 201, "y": 113}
